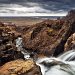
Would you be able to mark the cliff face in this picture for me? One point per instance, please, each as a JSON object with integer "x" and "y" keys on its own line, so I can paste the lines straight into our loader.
{"x": 49, "y": 36}
{"x": 70, "y": 18}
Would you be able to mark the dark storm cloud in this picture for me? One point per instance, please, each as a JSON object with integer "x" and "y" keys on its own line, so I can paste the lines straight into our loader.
{"x": 36, "y": 6}
{"x": 47, "y": 4}
{"x": 17, "y": 1}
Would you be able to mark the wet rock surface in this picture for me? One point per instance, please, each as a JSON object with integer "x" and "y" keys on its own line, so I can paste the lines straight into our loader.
{"x": 20, "y": 67}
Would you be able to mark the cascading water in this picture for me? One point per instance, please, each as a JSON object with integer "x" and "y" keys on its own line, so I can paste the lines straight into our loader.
{"x": 68, "y": 56}
{"x": 19, "y": 45}
{"x": 62, "y": 65}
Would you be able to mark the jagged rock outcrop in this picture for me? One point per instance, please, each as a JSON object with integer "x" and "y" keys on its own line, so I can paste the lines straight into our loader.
{"x": 70, "y": 18}
{"x": 20, "y": 67}
{"x": 8, "y": 50}
{"x": 70, "y": 44}
{"x": 49, "y": 36}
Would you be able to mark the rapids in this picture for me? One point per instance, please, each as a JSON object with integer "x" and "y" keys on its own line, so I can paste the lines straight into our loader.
{"x": 62, "y": 65}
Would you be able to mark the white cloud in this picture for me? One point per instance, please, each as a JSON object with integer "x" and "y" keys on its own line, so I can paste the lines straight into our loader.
{"x": 33, "y": 10}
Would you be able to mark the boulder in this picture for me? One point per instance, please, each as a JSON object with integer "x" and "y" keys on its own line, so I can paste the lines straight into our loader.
{"x": 9, "y": 52}
{"x": 20, "y": 67}
{"x": 70, "y": 43}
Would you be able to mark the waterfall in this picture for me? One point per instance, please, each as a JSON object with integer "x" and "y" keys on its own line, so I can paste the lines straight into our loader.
{"x": 62, "y": 65}
{"x": 68, "y": 56}
{"x": 19, "y": 45}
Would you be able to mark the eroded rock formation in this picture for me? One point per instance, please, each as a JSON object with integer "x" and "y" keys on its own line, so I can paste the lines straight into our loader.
{"x": 49, "y": 37}
{"x": 70, "y": 44}
{"x": 20, "y": 67}
{"x": 8, "y": 50}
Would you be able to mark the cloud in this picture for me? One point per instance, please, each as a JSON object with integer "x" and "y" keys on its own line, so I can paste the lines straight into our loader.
{"x": 35, "y": 7}
{"x": 34, "y": 10}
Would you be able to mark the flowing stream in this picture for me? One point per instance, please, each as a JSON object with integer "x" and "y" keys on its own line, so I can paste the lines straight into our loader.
{"x": 62, "y": 65}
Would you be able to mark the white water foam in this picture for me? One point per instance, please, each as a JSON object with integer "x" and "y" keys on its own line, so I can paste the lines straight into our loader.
{"x": 62, "y": 65}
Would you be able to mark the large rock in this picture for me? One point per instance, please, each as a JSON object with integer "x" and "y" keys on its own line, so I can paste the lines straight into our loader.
{"x": 8, "y": 53}
{"x": 8, "y": 50}
{"x": 70, "y": 44}
{"x": 20, "y": 67}
{"x": 49, "y": 36}
{"x": 70, "y": 18}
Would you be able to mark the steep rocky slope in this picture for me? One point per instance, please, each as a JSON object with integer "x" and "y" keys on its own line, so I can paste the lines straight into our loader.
{"x": 49, "y": 37}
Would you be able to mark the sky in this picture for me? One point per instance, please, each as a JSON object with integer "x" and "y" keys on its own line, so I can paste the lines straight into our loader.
{"x": 36, "y": 7}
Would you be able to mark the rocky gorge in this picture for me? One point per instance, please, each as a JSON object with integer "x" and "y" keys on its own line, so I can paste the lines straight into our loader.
{"x": 49, "y": 38}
